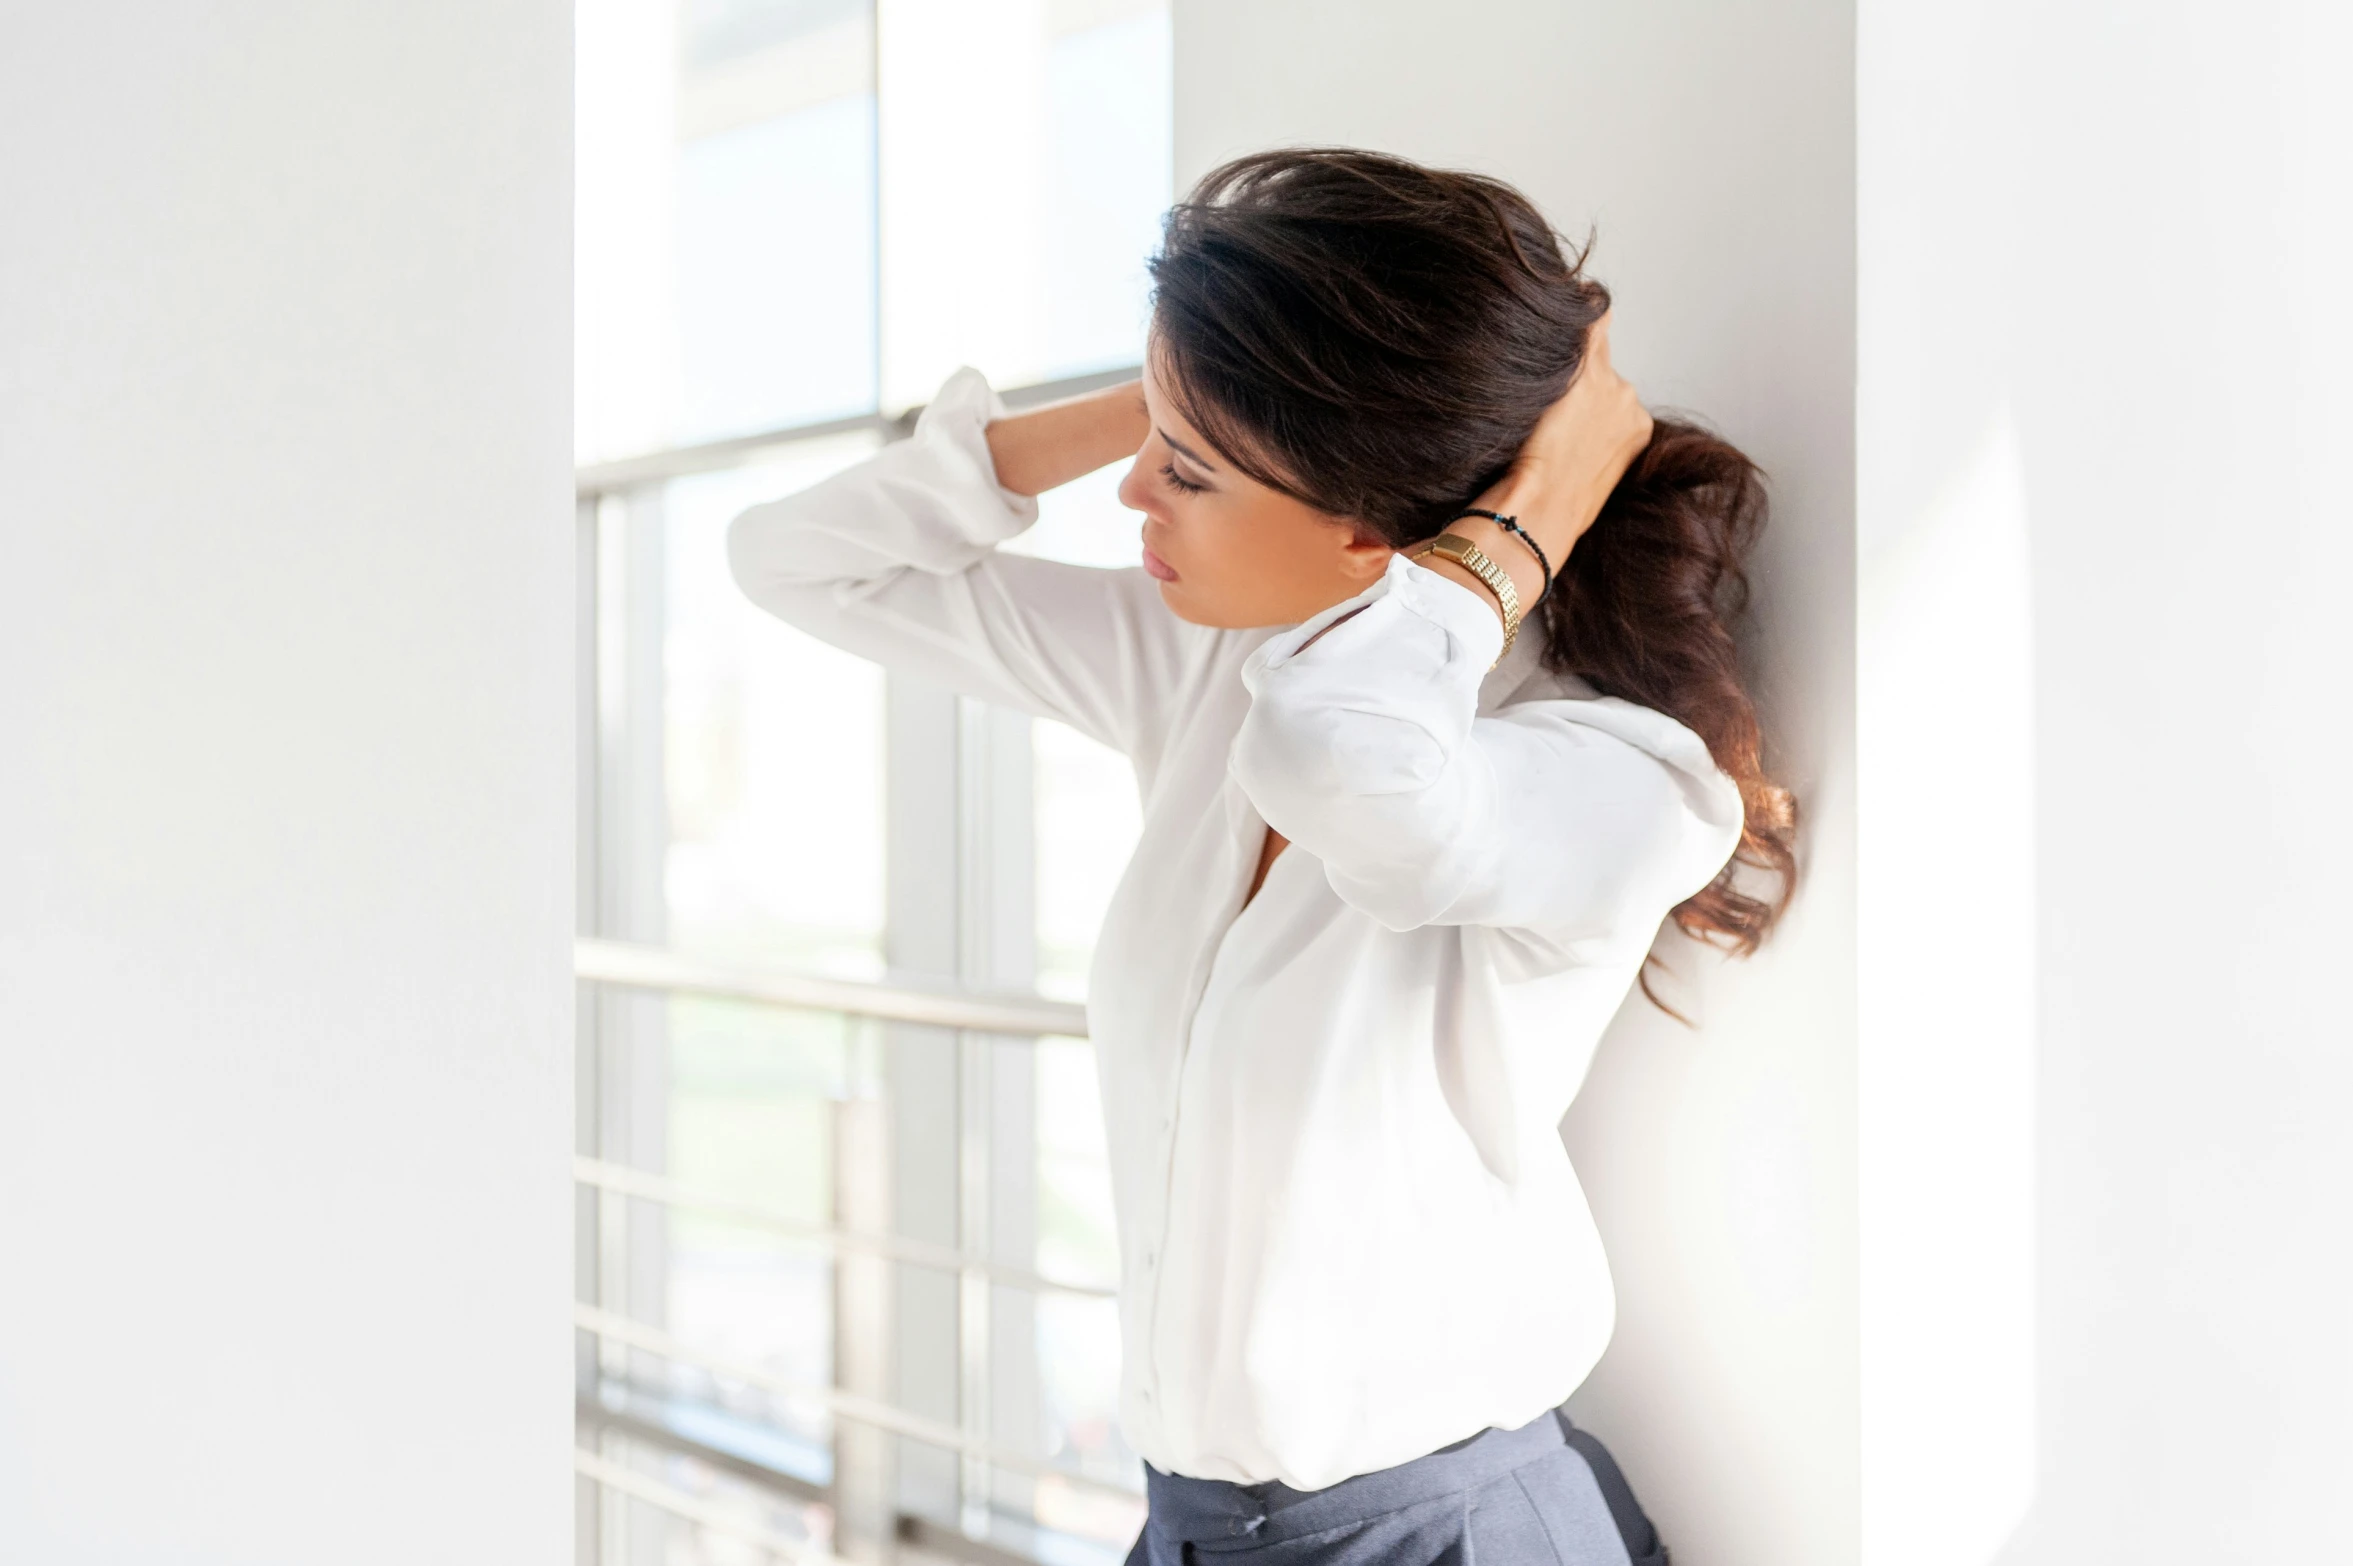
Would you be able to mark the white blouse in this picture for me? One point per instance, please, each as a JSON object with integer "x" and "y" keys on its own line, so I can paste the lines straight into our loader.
{"x": 1348, "y": 1229}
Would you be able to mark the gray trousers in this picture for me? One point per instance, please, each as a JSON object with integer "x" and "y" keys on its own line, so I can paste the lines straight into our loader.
{"x": 1546, "y": 1494}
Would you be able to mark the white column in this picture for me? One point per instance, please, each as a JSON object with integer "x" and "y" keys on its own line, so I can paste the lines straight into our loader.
{"x": 286, "y": 887}
{"x": 924, "y": 1074}
{"x": 626, "y": 1033}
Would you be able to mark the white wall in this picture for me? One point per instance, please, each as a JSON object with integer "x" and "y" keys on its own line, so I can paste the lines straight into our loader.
{"x": 2112, "y": 240}
{"x": 1713, "y": 147}
{"x": 285, "y": 879}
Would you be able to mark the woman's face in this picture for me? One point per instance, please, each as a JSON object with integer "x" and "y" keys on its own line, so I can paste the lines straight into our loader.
{"x": 1227, "y": 550}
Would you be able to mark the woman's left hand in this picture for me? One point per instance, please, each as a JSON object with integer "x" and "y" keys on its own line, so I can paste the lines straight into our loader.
{"x": 1582, "y": 445}
{"x": 1565, "y": 470}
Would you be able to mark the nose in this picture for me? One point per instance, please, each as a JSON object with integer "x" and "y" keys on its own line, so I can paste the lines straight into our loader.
{"x": 1134, "y": 493}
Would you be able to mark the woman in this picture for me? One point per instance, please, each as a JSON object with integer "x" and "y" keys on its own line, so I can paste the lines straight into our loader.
{"x": 1402, "y": 856}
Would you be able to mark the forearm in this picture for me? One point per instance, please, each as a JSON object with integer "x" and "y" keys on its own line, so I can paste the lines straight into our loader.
{"x": 1043, "y": 448}
{"x": 1553, "y": 513}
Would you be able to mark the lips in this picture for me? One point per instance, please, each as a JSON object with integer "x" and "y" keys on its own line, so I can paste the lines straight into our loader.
{"x": 1157, "y": 566}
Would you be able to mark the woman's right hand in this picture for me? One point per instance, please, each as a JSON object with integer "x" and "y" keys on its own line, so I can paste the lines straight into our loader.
{"x": 1044, "y": 448}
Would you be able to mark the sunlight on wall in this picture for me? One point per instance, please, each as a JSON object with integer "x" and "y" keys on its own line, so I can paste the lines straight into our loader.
{"x": 1947, "y": 1005}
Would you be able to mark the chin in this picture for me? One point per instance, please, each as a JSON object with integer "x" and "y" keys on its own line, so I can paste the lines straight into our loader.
{"x": 1182, "y": 605}
{"x": 1187, "y": 608}
{"x": 1173, "y": 595}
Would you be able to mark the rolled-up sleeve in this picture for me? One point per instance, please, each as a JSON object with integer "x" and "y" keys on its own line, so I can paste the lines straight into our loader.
{"x": 895, "y": 558}
{"x": 1587, "y": 819}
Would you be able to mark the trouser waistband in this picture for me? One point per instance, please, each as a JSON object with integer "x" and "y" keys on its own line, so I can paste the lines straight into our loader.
{"x": 1193, "y": 1509}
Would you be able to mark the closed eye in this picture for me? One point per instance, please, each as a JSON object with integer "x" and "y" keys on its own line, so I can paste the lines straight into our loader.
{"x": 1169, "y": 472}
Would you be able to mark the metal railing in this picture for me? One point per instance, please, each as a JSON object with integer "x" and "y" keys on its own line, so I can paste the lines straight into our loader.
{"x": 623, "y": 1181}
{"x": 682, "y": 1503}
{"x": 937, "y": 1005}
{"x": 871, "y": 1412}
{"x": 1013, "y": 1017}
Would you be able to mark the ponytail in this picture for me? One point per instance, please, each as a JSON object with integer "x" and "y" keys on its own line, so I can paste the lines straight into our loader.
{"x": 1643, "y": 609}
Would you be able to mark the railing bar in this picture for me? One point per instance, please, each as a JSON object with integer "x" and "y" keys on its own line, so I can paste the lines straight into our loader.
{"x": 716, "y": 456}
{"x": 913, "y": 1528}
{"x": 735, "y": 451}
{"x": 590, "y": 1412}
{"x": 843, "y": 1405}
{"x": 625, "y": 1181}
{"x": 658, "y": 968}
{"x": 682, "y": 1503}
{"x": 846, "y": 1405}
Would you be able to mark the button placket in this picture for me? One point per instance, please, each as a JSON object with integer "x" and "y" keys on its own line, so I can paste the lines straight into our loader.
{"x": 1244, "y": 833}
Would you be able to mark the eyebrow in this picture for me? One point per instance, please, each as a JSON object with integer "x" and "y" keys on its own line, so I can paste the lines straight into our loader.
{"x": 1187, "y": 451}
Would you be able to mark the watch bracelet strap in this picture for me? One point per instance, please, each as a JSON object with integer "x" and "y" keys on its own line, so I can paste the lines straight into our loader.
{"x": 1512, "y": 526}
{"x": 1480, "y": 564}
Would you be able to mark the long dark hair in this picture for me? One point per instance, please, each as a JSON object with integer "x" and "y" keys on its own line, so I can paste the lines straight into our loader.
{"x": 1377, "y": 339}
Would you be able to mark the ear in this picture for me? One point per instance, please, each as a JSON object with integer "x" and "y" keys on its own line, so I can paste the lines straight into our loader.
{"x": 1364, "y": 554}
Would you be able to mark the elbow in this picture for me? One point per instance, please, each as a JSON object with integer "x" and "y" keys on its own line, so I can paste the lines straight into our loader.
{"x": 1402, "y": 899}
{"x": 1374, "y": 806}
{"x": 768, "y": 555}
{"x": 1307, "y": 757}
{"x": 744, "y": 551}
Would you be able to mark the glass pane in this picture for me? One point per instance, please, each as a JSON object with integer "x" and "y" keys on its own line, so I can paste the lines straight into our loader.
{"x": 774, "y": 752}
{"x": 1111, "y": 154}
{"x": 776, "y": 227}
{"x": 1088, "y": 818}
{"x": 737, "y": 1523}
{"x": 751, "y": 1123}
{"x": 1087, "y": 811}
{"x": 1078, "y": 1337}
{"x": 726, "y": 218}
{"x": 1084, "y": 522}
{"x": 1027, "y": 156}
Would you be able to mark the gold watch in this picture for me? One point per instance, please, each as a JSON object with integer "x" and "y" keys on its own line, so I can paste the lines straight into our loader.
{"x": 1475, "y": 560}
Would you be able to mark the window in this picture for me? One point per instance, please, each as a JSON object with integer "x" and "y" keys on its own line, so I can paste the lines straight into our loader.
{"x": 795, "y": 218}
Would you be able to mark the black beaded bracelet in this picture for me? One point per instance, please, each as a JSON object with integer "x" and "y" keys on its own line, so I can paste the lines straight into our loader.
{"x": 1512, "y": 525}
